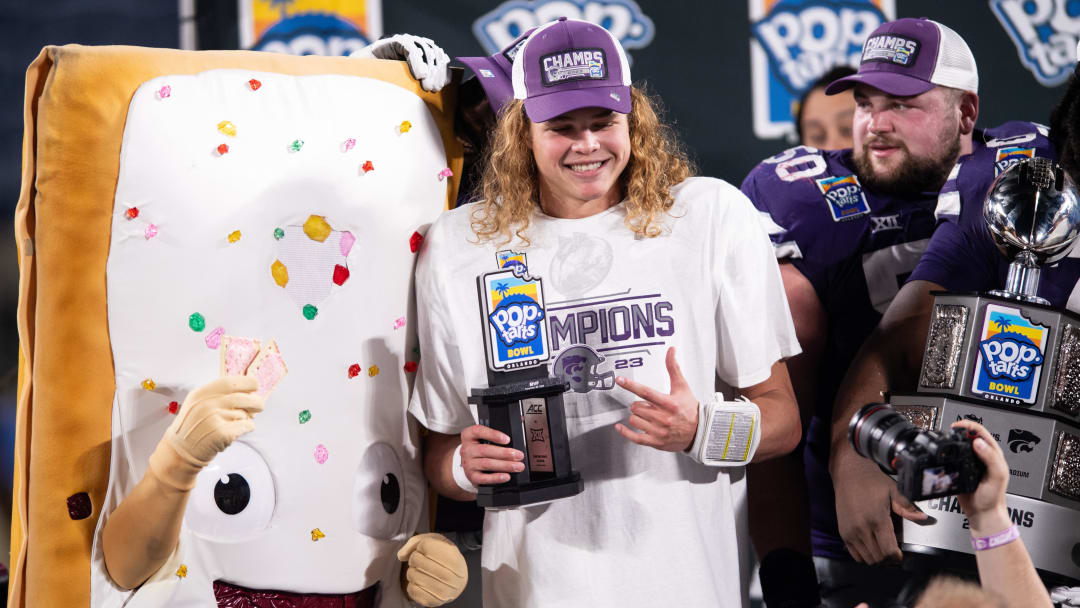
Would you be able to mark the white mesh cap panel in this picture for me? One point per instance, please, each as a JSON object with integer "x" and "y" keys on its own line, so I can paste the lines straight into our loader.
{"x": 955, "y": 66}
{"x": 517, "y": 72}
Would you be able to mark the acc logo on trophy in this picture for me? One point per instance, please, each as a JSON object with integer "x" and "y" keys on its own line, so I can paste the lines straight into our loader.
{"x": 517, "y": 330}
{"x": 1010, "y": 356}
{"x": 844, "y": 196}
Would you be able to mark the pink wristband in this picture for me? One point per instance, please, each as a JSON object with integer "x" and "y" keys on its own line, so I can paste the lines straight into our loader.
{"x": 1004, "y": 537}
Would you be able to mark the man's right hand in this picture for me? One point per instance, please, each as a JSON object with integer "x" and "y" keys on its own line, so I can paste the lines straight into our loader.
{"x": 487, "y": 464}
{"x": 210, "y": 419}
{"x": 865, "y": 499}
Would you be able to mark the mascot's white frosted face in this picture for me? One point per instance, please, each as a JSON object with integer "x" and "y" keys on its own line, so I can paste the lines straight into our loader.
{"x": 280, "y": 209}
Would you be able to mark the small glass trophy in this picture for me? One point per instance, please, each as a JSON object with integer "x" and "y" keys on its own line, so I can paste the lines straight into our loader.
{"x": 522, "y": 400}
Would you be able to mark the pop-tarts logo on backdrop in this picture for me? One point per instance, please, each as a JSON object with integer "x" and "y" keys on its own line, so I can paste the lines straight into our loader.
{"x": 309, "y": 27}
{"x": 1045, "y": 35}
{"x": 623, "y": 18}
{"x": 1011, "y": 352}
{"x": 794, "y": 42}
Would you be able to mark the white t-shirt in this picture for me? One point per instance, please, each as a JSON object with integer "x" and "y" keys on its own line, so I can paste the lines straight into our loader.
{"x": 651, "y": 528}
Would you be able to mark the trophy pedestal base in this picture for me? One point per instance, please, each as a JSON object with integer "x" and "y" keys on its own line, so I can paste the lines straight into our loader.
{"x": 500, "y": 497}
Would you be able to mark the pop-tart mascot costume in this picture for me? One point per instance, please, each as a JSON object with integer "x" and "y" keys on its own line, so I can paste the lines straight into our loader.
{"x": 217, "y": 343}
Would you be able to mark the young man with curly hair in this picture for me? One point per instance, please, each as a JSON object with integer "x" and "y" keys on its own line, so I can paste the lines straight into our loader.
{"x": 640, "y": 261}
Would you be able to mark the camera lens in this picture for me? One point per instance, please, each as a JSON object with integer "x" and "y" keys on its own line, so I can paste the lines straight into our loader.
{"x": 877, "y": 432}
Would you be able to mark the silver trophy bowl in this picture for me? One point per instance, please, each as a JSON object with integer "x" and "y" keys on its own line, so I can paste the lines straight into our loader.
{"x": 1033, "y": 214}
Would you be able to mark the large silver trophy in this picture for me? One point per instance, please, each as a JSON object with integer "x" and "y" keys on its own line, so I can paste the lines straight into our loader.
{"x": 1011, "y": 362}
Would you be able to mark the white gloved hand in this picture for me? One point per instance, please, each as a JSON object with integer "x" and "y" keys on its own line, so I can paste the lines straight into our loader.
{"x": 1066, "y": 596}
{"x": 427, "y": 61}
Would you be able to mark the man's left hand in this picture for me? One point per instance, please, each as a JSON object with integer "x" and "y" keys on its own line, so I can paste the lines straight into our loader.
{"x": 663, "y": 421}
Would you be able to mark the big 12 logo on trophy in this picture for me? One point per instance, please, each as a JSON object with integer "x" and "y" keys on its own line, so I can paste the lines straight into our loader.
{"x": 794, "y": 42}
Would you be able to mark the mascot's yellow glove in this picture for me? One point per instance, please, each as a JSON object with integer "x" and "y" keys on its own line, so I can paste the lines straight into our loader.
{"x": 437, "y": 573}
{"x": 210, "y": 419}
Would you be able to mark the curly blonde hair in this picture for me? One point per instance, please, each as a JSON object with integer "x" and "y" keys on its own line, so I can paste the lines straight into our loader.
{"x": 510, "y": 185}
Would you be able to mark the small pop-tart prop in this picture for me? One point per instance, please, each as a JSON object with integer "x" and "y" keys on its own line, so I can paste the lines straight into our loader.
{"x": 268, "y": 369}
{"x": 237, "y": 354}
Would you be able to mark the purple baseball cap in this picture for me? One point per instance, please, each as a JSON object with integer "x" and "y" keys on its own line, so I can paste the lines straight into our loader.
{"x": 494, "y": 72}
{"x": 568, "y": 64}
{"x": 911, "y": 56}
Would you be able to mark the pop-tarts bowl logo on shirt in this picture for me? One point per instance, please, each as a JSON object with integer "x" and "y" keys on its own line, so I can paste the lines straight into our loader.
{"x": 844, "y": 196}
{"x": 516, "y": 325}
{"x": 575, "y": 64}
{"x": 1007, "y": 157}
{"x": 510, "y": 259}
{"x": 1011, "y": 351}
{"x": 891, "y": 49}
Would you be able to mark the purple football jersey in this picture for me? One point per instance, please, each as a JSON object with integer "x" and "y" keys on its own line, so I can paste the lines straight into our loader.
{"x": 856, "y": 248}
{"x": 961, "y": 255}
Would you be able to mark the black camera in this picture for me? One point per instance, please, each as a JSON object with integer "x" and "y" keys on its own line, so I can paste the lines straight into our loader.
{"x": 927, "y": 464}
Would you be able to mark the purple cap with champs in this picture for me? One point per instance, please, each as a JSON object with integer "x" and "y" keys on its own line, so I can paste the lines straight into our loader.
{"x": 493, "y": 72}
{"x": 568, "y": 64}
{"x": 911, "y": 56}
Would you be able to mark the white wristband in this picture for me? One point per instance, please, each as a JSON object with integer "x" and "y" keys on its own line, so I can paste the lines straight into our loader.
{"x": 460, "y": 478}
{"x": 728, "y": 432}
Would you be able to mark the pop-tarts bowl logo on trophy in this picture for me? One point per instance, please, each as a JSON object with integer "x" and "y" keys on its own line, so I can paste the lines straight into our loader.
{"x": 844, "y": 196}
{"x": 1007, "y": 157}
{"x": 1011, "y": 351}
{"x": 517, "y": 326}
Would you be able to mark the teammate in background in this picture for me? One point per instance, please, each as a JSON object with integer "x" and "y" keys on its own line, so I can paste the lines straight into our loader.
{"x": 961, "y": 257}
{"x": 824, "y": 121}
{"x": 848, "y": 227}
{"x": 586, "y": 181}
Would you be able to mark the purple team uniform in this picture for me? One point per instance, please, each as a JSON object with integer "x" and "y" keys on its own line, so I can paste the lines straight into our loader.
{"x": 856, "y": 248}
{"x": 962, "y": 256}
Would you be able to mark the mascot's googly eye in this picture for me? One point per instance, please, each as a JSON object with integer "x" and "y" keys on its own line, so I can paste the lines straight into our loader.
{"x": 233, "y": 499}
{"x": 378, "y": 493}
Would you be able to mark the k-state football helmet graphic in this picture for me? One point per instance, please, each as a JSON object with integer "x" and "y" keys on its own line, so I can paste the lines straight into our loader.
{"x": 578, "y": 366}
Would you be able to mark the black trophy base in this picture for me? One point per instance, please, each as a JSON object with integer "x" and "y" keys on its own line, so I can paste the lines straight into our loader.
{"x": 504, "y": 496}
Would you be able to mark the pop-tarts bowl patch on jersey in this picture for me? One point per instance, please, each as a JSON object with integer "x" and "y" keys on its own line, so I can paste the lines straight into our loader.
{"x": 575, "y": 64}
{"x": 844, "y": 195}
{"x": 516, "y": 324}
{"x": 1011, "y": 351}
{"x": 1007, "y": 157}
{"x": 891, "y": 49}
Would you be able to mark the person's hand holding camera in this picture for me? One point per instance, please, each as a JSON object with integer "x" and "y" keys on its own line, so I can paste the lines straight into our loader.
{"x": 1004, "y": 565}
{"x": 985, "y": 507}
